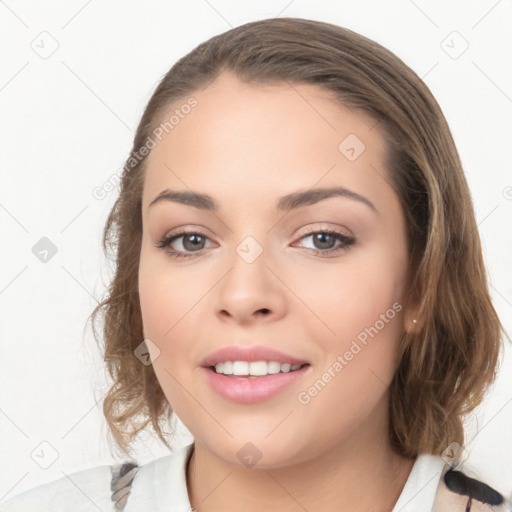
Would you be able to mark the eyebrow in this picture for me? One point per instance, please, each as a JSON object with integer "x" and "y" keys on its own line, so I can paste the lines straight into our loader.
{"x": 286, "y": 203}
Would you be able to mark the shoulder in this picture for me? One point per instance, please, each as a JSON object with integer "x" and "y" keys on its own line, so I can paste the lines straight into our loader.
{"x": 124, "y": 486}
{"x": 161, "y": 482}
{"x": 84, "y": 490}
{"x": 436, "y": 486}
{"x": 461, "y": 489}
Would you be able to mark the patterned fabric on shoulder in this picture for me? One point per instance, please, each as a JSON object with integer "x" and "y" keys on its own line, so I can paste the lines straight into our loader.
{"x": 457, "y": 492}
{"x": 122, "y": 478}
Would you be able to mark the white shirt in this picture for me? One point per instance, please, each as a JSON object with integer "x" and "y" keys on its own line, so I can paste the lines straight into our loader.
{"x": 160, "y": 485}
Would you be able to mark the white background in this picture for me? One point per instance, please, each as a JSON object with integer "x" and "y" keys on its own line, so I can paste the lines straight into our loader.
{"x": 67, "y": 123}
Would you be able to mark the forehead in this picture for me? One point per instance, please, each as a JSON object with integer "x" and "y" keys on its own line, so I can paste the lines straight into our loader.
{"x": 253, "y": 142}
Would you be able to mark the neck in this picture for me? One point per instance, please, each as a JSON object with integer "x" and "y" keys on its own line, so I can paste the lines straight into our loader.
{"x": 360, "y": 475}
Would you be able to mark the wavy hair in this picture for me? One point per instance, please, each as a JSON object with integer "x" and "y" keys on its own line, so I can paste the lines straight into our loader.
{"x": 445, "y": 366}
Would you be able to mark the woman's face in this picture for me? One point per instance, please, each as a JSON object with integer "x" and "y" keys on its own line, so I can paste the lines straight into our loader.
{"x": 269, "y": 272}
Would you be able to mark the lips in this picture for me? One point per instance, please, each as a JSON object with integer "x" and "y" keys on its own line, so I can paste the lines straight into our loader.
{"x": 250, "y": 354}
{"x": 253, "y": 390}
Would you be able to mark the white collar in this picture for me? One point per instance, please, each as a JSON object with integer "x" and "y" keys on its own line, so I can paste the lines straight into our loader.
{"x": 421, "y": 486}
{"x": 160, "y": 485}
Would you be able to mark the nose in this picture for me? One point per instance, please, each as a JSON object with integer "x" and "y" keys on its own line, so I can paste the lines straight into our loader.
{"x": 250, "y": 292}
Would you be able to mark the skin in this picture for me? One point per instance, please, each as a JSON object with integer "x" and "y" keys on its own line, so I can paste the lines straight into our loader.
{"x": 247, "y": 145}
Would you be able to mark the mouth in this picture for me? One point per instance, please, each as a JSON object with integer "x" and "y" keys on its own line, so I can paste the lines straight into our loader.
{"x": 254, "y": 369}
{"x": 250, "y": 389}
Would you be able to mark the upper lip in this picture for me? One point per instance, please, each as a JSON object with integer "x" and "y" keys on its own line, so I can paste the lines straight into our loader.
{"x": 254, "y": 353}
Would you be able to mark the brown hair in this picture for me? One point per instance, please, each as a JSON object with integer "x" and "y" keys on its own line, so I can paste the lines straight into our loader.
{"x": 447, "y": 364}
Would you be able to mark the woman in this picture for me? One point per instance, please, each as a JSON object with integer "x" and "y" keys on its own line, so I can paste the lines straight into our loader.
{"x": 300, "y": 279}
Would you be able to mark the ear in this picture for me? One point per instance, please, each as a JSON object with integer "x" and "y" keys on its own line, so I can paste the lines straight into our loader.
{"x": 411, "y": 319}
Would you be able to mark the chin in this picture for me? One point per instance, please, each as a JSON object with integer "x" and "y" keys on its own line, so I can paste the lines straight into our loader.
{"x": 258, "y": 452}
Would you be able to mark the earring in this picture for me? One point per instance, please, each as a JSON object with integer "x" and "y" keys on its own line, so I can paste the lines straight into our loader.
{"x": 414, "y": 321}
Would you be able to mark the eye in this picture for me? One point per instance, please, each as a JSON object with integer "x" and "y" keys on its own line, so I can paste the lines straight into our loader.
{"x": 324, "y": 241}
{"x": 192, "y": 241}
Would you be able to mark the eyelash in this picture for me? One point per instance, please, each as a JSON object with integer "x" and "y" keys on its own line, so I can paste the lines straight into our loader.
{"x": 165, "y": 242}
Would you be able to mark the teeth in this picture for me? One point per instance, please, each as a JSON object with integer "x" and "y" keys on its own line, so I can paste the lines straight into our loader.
{"x": 240, "y": 368}
{"x": 254, "y": 368}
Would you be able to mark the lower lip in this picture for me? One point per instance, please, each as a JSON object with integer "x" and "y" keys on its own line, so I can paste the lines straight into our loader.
{"x": 250, "y": 391}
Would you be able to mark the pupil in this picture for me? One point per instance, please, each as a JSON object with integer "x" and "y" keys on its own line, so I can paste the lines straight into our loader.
{"x": 320, "y": 237}
{"x": 188, "y": 238}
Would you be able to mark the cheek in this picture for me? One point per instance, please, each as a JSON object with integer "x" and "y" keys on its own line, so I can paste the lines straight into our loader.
{"x": 167, "y": 302}
{"x": 165, "y": 298}
{"x": 362, "y": 306}
{"x": 353, "y": 294}
{"x": 172, "y": 300}
{"x": 165, "y": 291}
